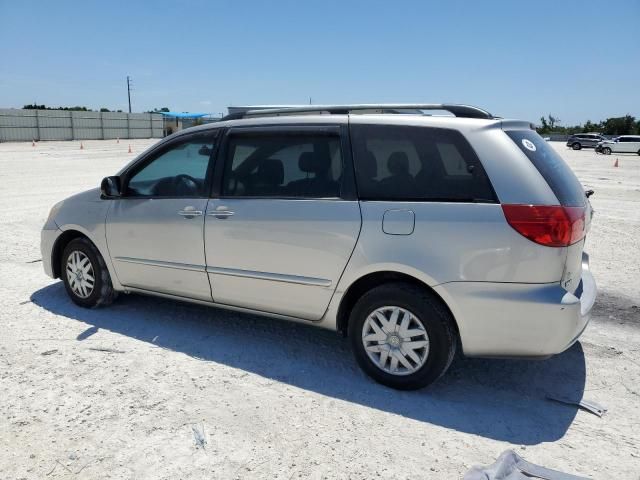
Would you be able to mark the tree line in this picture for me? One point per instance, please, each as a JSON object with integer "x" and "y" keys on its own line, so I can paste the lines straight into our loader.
{"x": 626, "y": 125}
{"x": 78, "y": 108}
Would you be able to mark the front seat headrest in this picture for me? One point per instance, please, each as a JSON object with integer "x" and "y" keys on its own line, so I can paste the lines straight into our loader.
{"x": 310, "y": 162}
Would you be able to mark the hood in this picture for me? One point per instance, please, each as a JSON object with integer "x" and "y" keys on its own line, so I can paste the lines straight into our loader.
{"x": 92, "y": 195}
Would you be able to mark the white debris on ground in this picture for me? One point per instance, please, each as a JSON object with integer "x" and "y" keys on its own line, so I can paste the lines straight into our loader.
{"x": 151, "y": 388}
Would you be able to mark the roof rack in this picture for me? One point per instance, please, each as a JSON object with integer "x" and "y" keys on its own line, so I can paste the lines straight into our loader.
{"x": 465, "y": 111}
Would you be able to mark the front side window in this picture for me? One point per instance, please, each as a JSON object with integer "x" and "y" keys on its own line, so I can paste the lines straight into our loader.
{"x": 179, "y": 171}
{"x": 280, "y": 165}
{"x": 417, "y": 163}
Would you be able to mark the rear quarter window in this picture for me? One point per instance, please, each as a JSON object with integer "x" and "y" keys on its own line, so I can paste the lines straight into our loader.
{"x": 559, "y": 176}
{"x": 411, "y": 163}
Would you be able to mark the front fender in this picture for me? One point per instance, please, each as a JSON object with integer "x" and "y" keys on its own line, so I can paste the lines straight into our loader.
{"x": 86, "y": 213}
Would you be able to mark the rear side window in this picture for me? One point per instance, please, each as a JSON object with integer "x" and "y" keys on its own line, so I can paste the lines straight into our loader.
{"x": 552, "y": 167}
{"x": 286, "y": 166}
{"x": 417, "y": 164}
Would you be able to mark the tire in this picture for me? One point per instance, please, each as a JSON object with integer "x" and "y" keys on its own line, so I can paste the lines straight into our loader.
{"x": 423, "y": 309}
{"x": 576, "y": 146}
{"x": 606, "y": 151}
{"x": 81, "y": 261}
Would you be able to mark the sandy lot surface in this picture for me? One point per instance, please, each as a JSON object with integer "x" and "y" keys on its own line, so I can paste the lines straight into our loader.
{"x": 157, "y": 389}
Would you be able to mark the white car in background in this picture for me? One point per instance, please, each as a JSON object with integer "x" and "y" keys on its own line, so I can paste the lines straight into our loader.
{"x": 622, "y": 144}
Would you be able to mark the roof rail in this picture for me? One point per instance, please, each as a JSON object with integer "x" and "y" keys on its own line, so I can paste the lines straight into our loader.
{"x": 465, "y": 111}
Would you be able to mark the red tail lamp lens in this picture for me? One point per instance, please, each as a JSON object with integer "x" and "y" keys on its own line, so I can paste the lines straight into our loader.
{"x": 552, "y": 226}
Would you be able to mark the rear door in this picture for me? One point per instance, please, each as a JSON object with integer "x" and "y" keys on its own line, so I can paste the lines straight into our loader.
{"x": 284, "y": 220}
{"x": 628, "y": 144}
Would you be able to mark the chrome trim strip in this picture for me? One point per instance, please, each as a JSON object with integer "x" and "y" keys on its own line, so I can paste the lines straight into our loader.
{"x": 158, "y": 263}
{"x": 274, "y": 277}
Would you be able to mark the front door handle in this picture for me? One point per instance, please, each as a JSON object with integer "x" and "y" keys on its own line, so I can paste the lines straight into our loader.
{"x": 190, "y": 212}
{"x": 221, "y": 212}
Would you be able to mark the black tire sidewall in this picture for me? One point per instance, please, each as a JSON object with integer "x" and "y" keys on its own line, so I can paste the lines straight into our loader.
{"x": 606, "y": 151}
{"x": 442, "y": 343}
{"x": 576, "y": 146}
{"x": 84, "y": 246}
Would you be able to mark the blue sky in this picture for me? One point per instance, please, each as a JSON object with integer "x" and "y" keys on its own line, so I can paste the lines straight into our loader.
{"x": 576, "y": 60}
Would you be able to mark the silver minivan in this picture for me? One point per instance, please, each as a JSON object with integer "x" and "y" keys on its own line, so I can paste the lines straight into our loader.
{"x": 411, "y": 233}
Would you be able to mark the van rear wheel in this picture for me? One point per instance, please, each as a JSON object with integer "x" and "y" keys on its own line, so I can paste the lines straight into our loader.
{"x": 576, "y": 146}
{"x": 402, "y": 336}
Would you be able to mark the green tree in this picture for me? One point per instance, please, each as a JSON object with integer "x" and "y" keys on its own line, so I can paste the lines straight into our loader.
{"x": 159, "y": 110}
{"x": 619, "y": 125}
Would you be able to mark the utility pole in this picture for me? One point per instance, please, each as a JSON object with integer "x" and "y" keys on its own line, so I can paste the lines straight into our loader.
{"x": 129, "y": 91}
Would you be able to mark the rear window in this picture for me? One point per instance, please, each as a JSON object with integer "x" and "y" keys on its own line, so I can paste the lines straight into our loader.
{"x": 408, "y": 163}
{"x": 552, "y": 167}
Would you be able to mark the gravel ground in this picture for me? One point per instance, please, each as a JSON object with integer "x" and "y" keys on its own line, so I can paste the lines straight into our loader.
{"x": 157, "y": 389}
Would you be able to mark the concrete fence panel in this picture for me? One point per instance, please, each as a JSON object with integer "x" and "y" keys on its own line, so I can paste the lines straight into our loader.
{"x": 26, "y": 125}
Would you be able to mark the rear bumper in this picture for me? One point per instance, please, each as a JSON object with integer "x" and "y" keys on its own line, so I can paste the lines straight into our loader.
{"x": 519, "y": 320}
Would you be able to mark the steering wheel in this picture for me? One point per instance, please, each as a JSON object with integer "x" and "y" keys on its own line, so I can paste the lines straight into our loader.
{"x": 184, "y": 184}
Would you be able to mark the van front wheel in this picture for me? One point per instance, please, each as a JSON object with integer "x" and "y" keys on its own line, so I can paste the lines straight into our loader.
{"x": 402, "y": 336}
{"x": 85, "y": 275}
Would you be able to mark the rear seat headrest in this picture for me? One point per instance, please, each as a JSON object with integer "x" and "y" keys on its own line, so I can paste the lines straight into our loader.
{"x": 398, "y": 163}
{"x": 271, "y": 171}
{"x": 310, "y": 162}
{"x": 368, "y": 165}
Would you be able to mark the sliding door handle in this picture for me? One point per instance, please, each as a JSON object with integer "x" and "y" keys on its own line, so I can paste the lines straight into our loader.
{"x": 222, "y": 213}
{"x": 190, "y": 212}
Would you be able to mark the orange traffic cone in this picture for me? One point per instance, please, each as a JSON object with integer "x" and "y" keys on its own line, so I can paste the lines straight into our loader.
{"x": 130, "y": 149}
{"x": 616, "y": 164}
{"x": 33, "y": 143}
{"x": 81, "y": 146}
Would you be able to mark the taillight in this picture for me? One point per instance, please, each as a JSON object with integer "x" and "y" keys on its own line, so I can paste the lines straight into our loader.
{"x": 552, "y": 226}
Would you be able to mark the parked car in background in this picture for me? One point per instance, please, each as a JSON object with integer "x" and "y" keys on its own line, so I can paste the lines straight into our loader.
{"x": 411, "y": 234}
{"x": 621, "y": 144}
{"x": 584, "y": 140}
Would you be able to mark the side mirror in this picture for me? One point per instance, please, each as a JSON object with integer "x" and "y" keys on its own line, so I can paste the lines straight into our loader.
{"x": 111, "y": 187}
